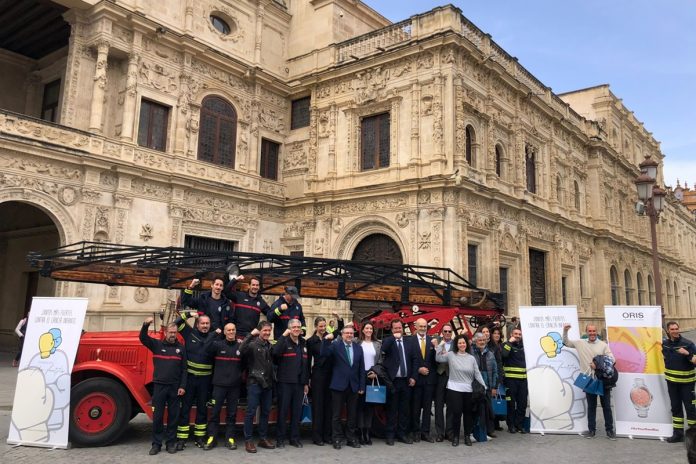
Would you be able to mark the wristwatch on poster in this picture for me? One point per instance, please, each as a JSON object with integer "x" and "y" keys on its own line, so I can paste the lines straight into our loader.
{"x": 641, "y": 397}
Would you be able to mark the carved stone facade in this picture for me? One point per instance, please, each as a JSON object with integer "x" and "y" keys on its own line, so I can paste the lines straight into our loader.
{"x": 456, "y": 91}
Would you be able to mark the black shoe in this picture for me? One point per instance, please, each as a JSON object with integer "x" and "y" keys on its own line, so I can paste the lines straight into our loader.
{"x": 295, "y": 443}
{"x": 390, "y": 442}
{"x": 368, "y": 438}
{"x": 455, "y": 441}
{"x": 416, "y": 438}
{"x": 210, "y": 444}
{"x": 337, "y": 445}
{"x": 611, "y": 435}
{"x": 675, "y": 438}
{"x": 199, "y": 442}
{"x": 353, "y": 444}
{"x": 426, "y": 437}
{"x": 498, "y": 428}
{"x": 155, "y": 449}
{"x": 590, "y": 434}
{"x": 467, "y": 440}
{"x": 512, "y": 430}
{"x": 171, "y": 448}
{"x": 406, "y": 440}
{"x": 230, "y": 444}
{"x": 318, "y": 442}
{"x": 492, "y": 435}
{"x": 280, "y": 444}
{"x": 522, "y": 431}
{"x": 180, "y": 445}
{"x": 440, "y": 438}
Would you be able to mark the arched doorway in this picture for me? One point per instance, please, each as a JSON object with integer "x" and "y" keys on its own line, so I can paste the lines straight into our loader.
{"x": 378, "y": 248}
{"x": 23, "y": 228}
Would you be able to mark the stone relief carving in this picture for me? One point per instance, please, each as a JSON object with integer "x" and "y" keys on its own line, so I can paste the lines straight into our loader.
{"x": 68, "y": 196}
{"x": 402, "y": 219}
{"x": 158, "y": 77}
{"x": 162, "y": 51}
{"x": 348, "y": 208}
{"x": 215, "y": 216}
{"x": 101, "y": 220}
{"x": 40, "y": 131}
{"x": 197, "y": 198}
{"x": 424, "y": 241}
{"x": 221, "y": 76}
{"x": 236, "y": 33}
{"x": 271, "y": 120}
{"x": 29, "y": 183}
{"x": 108, "y": 179}
{"x": 151, "y": 189}
{"x": 369, "y": 85}
{"x": 141, "y": 295}
{"x": 337, "y": 225}
{"x": 146, "y": 233}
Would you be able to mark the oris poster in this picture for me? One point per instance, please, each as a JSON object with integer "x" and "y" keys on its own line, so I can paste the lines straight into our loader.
{"x": 556, "y": 404}
{"x": 641, "y": 402}
{"x": 41, "y": 407}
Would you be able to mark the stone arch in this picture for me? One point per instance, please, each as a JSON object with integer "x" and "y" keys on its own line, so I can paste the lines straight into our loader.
{"x": 54, "y": 209}
{"x": 360, "y": 228}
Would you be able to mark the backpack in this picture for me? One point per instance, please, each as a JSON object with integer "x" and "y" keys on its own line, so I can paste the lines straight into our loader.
{"x": 605, "y": 370}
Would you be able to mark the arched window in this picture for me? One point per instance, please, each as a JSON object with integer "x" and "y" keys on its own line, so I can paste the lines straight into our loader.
{"x": 651, "y": 290}
{"x": 499, "y": 155}
{"x": 614, "y": 275}
{"x": 470, "y": 141}
{"x": 530, "y": 168}
{"x": 628, "y": 287}
{"x": 641, "y": 289}
{"x": 559, "y": 189}
{"x": 217, "y": 137}
{"x": 576, "y": 188}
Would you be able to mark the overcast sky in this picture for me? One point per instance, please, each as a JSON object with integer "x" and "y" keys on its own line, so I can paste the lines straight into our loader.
{"x": 644, "y": 49}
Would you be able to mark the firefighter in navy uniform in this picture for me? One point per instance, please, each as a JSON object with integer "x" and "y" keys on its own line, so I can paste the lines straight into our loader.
{"x": 248, "y": 306}
{"x": 199, "y": 366}
{"x": 213, "y": 304}
{"x": 679, "y": 354}
{"x": 169, "y": 379}
{"x": 515, "y": 369}
{"x": 227, "y": 380}
{"x": 285, "y": 308}
{"x": 290, "y": 354}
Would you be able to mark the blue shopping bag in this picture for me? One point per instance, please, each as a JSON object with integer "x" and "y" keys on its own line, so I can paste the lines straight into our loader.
{"x": 306, "y": 411}
{"x": 479, "y": 432}
{"x": 499, "y": 405}
{"x": 376, "y": 393}
{"x": 596, "y": 387}
{"x": 582, "y": 381}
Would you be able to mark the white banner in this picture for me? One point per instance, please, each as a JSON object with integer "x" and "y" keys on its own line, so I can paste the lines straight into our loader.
{"x": 556, "y": 404}
{"x": 641, "y": 401}
{"x": 41, "y": 407}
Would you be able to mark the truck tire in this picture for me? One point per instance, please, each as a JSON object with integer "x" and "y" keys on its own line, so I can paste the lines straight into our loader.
{"x": 100, "y": 409}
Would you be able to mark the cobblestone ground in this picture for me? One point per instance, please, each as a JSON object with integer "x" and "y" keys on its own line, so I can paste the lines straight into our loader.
{"x": 506, "y": 448}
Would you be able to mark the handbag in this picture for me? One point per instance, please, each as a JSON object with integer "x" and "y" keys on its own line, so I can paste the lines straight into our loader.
{"x": 376, "y": 393}
{"x": 499, "y": 405}
{"x": 595, "y": 387}
{"x": 306, "y": 411}
{"x": 479, "y": 431}
{"x": 582, "y": 381}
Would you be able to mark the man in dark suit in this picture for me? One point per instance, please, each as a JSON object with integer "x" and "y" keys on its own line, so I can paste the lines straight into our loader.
{"x": 425, "y": 373}
{"x": 398, "y": 358}
{"x": 347, "y": 382}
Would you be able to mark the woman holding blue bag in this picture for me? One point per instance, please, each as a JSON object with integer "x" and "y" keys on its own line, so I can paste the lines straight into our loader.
{"x": 372, "y": 351}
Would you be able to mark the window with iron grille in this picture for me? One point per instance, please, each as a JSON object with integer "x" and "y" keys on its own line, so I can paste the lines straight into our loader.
{"x": 375, "y": 141}
{"x": 472, "y": 265}
{"x": 217, "y": 136}
{"x": 49, "y": 104}
{"x": 299, "y": 116}
{"x": 152, "y": 129}
{"x": 208, "y": 244}
{"x": 269, "y": 159}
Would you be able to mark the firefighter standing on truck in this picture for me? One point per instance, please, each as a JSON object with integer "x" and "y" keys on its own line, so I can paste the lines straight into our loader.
{"x": 248, "y": 306}
{"x": 169, "y": 379}
{"x": 515, "y": 369}
{"x": 679, "y": 354}
{"x": 200, "y": 369}
{"x": 213, "y": 304}
{"x": 285, "y": 308}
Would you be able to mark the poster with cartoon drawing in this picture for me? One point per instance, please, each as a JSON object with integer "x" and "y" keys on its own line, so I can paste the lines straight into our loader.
{"x": 41, "y": 407}
{"x": 556, "y": 405}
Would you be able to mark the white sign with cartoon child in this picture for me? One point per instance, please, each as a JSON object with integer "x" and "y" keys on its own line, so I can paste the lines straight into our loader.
{"x": 556, "y": 404}
{"x": 41, "y": 407}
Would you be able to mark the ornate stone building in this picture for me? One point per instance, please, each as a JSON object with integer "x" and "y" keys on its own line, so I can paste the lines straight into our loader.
{"x": 317, "y": 127}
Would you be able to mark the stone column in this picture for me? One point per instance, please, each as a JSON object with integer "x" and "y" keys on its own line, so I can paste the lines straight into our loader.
{"x": 99, "y": 88}
{"x": 332, "y": 140}
{"x": 129, "y": 102}
{"x": 415, "y": 122}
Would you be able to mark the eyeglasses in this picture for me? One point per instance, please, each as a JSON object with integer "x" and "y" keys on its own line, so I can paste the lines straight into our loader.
{"x": 447, "y": 331}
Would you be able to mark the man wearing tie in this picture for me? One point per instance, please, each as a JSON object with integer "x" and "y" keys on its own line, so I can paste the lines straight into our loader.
{"x": 443, "y": 424}
{"x": 398, "y": 358}
{"x": 347, "y": 382}
{"x": 425, "y": 373}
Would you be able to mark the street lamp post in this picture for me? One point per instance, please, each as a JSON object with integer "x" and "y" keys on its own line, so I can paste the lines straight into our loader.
{"x": 653, "y": 199}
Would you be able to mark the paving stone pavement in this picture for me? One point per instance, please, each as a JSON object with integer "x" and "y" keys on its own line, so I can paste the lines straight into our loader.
{"x": 504, "y": 449}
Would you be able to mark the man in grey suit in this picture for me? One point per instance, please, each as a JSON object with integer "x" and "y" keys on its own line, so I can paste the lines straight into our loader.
{"x": 443, "y": 423}
{"x": 347, "y": 382}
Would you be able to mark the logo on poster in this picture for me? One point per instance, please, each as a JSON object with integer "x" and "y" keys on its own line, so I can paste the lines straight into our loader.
{"x": 632, "y": 316}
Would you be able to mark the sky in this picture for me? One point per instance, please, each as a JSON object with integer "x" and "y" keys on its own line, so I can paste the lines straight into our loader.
{"x": 644, "y": 49}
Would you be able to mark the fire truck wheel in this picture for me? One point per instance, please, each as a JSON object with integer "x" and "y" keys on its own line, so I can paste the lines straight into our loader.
{"x": 100, "y": 409}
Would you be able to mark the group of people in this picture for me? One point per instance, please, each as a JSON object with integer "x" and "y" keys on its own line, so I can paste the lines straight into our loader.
{"x": 229, "y": 348}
